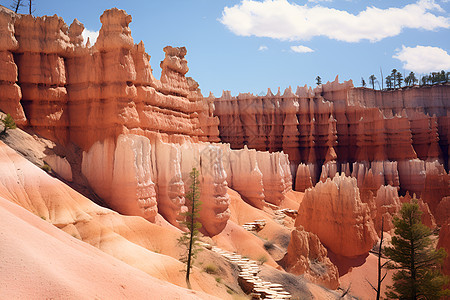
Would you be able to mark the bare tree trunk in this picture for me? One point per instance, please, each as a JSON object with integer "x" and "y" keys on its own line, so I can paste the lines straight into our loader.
{"x": 382, "y": 79}
{"x": 379, "y": 261}
{"x": 16, "y": 5}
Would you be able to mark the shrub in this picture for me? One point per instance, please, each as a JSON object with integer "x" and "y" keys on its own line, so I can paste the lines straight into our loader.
{"x": 269, "y": 245}
{"x": 211, "y": 269}
{"x": 8, "y": 123}
{"x": 46, "y": 168}
{"x": 262, "y": 259}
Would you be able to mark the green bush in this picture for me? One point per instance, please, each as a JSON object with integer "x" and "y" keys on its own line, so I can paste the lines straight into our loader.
{"x": 8, "y": 123}
{"x": 46, "y": 168}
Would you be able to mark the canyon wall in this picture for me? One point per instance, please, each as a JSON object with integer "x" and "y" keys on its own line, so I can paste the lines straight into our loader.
{"x": 136, "y": 137}
{"x": 142, "y": 177}
{"x": 70, "y": 92}
{"x": 398, "y": 138}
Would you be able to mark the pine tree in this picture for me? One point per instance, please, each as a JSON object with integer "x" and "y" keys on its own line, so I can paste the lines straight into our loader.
{"x": 8, "y": 123}
{"x": 372, "y": 80}
{"x": 318, "y": 80}
{"x": 190, "y": 238}
{"x": 417, "y": 262}
{"x": 399, "y": 79}
{"x": 389, "y": 82}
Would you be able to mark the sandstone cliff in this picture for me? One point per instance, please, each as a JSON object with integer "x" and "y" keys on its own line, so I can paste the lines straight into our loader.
{"x": 334, "y": 212}
{"x": 92, "y": 93}
{"x": 306, "y": 255}
{"x": 141, "y": 177}
{"x": 398, "y": 138}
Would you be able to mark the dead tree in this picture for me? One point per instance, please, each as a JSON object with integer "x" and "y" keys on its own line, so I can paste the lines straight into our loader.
{"x": 380, "y": 265}
{"x": 16, "y": 4}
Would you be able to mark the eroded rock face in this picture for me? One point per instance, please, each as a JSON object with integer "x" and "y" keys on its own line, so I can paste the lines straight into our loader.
{"x": 303, "y": 178}
{"x": 334, "y": 212}
{"x": 393, "y": 133}
{"x": 43, "y": 45}
{"x": 306, "y": 255}
{"x": 443, "y": 211}
{"x": 388, "y": 204}
{"x": 109, "y": 86}
{"x": 10, "y": 92}
{"x": 247, "y": 177}
{"x": 444, "y": 242}
{"x": 133, "y": 189}
{"x": 214, "y": 199}
{"x": 171, "y": 201}
{"x": 143, "y": 177}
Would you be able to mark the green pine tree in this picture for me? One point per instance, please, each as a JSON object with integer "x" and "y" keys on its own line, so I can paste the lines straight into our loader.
{"x": 412, "y": 254}
{"x": 318, "y": 80}
{"x": 8, "y": 123}
{"x": 190, "y": 238}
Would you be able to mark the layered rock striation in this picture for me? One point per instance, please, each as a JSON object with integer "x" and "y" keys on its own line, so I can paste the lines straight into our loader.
{"x": 391, "y": 137}
{"x": 306, "y": 255}
{"x": 334, "y": 212}
{"x": 142, "y": 177}
{"x": 71, "y": 92}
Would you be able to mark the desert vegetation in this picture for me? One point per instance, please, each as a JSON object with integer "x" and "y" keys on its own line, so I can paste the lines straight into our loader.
{"x": 190, "y": 238}
{"x": 8, "y": 123}
{"x": 396, "y": 79}
{"x": 413, "y": 256}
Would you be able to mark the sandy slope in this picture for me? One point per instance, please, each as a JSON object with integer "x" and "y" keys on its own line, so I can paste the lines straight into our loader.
{"x": 361, "y": 273}
{"x": 130, "y": 239}
{"x": 39, "y": 261}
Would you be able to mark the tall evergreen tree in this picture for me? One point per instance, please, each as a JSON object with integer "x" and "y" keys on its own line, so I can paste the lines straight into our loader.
{"x": 372, "y": 80}
{"x": 394, "y": 73}
{"x": 412, "y": 254}
{"x": 363, "y": 82}
{"x": 389, "y": 82}
{"x": 190, "y": 238}
{"x": 411, "y": 79}
{"x": 318, "y": 80}
{"x": 399, "y": 79}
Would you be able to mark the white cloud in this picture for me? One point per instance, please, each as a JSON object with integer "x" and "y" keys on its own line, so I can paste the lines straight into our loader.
{"x": 262, "y": 48}
{"x": 280, "y": 19}
{"x": 317, "y": 1}
{"x": 301, "y": 49}
{"x": 92, "y": 35}
{"x": 423, "y": 59}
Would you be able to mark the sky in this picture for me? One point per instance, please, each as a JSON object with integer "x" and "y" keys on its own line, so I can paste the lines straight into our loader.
{"x": 252, "y": 45}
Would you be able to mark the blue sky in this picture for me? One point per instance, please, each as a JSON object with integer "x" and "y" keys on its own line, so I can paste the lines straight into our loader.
{"x": 249, "y": 45}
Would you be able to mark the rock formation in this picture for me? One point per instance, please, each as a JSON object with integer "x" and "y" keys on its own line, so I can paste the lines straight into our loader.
{"x": 334, "y": 212}
{"x": 131, "y": 240}
{"x": 388, "y": 204}
{"x": 306, "y": 255}
{"x": 443, "y": 211}
{"x": 134, "y": 139}
{"x": 141, "y": 177}
{"x": 339, "y": 128}
{"x": 109, "y": 86}
{"x": 10, "y": 92}
{"x": 444, "y": 242}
